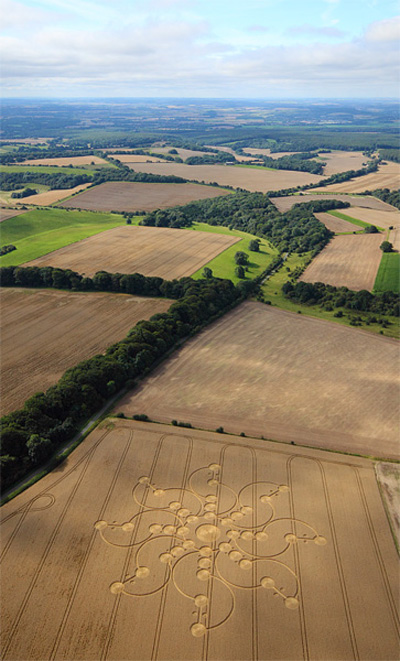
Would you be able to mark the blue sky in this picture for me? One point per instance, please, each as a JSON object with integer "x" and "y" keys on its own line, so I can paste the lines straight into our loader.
{"x": 200, "y": 48}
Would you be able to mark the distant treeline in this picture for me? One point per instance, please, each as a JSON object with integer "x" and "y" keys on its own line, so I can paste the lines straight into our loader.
{"x": 297, "y": 230}
{"x": 338, "y": 297}
{"x": 28, "y": 152}
{"x": 298, "y": 162}
{"x": 390, "y": 155}
{"x": 14, "y": 180}
{"x": 47, "y": 420}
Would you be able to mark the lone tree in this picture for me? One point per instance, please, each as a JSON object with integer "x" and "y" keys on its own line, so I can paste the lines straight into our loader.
{"x": 239, "y": 272}
{"x": 207, "y": 272}
{"x": 254, "y": 245}
{"x": 241, "y": 258}
{"x": 386, "y": 246}
{"x": 370, "y": 229}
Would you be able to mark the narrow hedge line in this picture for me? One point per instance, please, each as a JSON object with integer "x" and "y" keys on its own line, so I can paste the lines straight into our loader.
{"x": 31, "y": 435}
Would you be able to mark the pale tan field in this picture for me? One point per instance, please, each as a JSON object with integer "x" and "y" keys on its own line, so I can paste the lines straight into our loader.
{"x": 251, "y": 179}
{"x": 136, "y": 158}
{"x": 394, "y": 238}
{"x": 45, "y": 332}
{"x": 245, "y": 550}
{"x": 9, "y": 213}
{"x": 51, "y": 196}
{"x": 347, "y": 261}
{"x": 388, "y": 176}
{"x": 388, "y": 475}
{"x": 160, "y": 251}
{"x": 267, "y": 152}
{"x": 271, "y": 373}
{"x": 366, "y": 201}
{"x": 379, "y": 217}
{"x": 67, "y": 160}
{"x": 229, "y": 150}
{"x": 131, "y": 196}
{"x": 342, "y": 161}
{"x": 337, "y": 224}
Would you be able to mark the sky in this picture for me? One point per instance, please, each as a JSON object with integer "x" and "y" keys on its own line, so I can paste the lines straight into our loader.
{"x": 265, "y": 49}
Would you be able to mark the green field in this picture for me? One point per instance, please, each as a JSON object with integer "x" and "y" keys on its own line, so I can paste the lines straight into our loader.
{"x": 272, "y": 291}
{"x": 223, "y": 266}
{"x": 388, "y": 276}
{"x": 349, "y": 219}
{"x": 46, "y": 169}
{"x": 41, "y": 231}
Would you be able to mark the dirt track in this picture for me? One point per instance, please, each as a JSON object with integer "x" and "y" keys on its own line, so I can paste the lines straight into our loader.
{"x": 85, "y": 560}
{"x": 283, "y": 376}
{"x": 162, "y": 251}
{"x": 45, "y": 331}
{"x": 347, "y": 261}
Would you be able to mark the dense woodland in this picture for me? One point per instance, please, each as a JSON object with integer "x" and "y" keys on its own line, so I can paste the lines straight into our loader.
{"x": 297, "y": 230}
{"x": 32, "y": 434}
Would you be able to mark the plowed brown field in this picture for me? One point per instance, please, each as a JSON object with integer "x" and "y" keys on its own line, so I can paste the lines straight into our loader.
{"x": 285, "y": 203}
{"x": 336, "y": 224}
{"x": 347, "y": 261}
{"x": 251, "y": 179}
{"x": 130, "y": 196}
{"x": 162, "y": 251}
{"x": 388, "y": 176}
{"x": 9, "y": 213}
{"x": 153, "y": 543}
{"x": 44, "y": 332}
{"x": 284, "y": 376}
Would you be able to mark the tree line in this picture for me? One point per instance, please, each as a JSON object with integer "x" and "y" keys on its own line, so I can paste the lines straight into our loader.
{"x": 330, "y": 297}
{"x": 32, "y": 434}
{"x": 297, "y": 230}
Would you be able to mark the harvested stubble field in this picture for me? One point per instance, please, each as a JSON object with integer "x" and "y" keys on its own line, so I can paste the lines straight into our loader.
{"x": 9, "y": 213}
{"x": 136, "y": 158}
{"x": 336, "y": 224}
{"x": 160, "y": 251}
{"x": 285, "y": 203}
{"x": 381, "y": 218}
{"x": 52, "y": 196}
{"x": 250, "y": 179}
{"x": 271, "y": 373}
{"x": 342, "y": 161}
{"x": 153, "y": 543}
{"x": 394, "y": 238}
{"x": 267, "y": 152}
{"x": 131, "y": 196}
{"x": 45, "y": 332}
{"x": 347, "y": 261}
{"x": 388, "y": 176}
{"x": 67, "y": 160}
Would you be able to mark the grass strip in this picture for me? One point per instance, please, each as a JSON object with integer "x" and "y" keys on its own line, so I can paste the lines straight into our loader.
{"x": 388, "y": 276}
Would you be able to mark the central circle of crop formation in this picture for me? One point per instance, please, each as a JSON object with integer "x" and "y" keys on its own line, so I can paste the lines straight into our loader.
{"x": 208, "y": 532}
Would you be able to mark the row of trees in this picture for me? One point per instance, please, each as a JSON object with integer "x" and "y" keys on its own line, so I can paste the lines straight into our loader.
{"x": 30, "y": 435}
{"x": 297, "y": 230}
{"x": 318, "y": 293}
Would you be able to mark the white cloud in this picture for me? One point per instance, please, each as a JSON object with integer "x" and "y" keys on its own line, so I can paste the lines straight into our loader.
{"x": 386, "y": 30}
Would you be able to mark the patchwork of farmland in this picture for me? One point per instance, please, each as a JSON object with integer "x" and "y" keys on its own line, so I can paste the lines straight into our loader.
{"x": 387, "y": 176}
{"x": 50, "y": 197}
{"x": 251, "y": 179}
{"x": 286, "y": 202}
{"x": 379, "y": 217}
{"x": 45, "y": 331}
{"x": 153, "y": 543}
{"x": 270, "y": 373}
{"x": 347, "y": 261}
{"x": 160, "y": 251}
{"x": 131, "y": 196}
